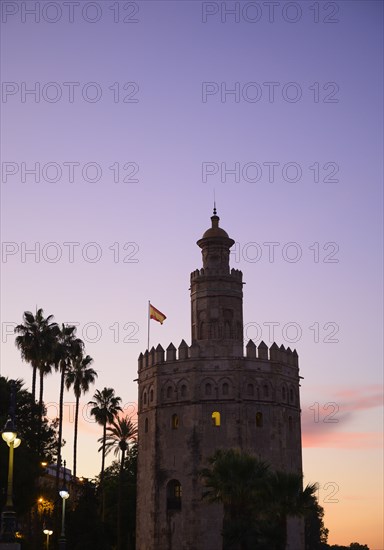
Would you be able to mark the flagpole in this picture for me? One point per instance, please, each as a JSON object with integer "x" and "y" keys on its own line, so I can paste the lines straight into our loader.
{"x": 149, "y": 307}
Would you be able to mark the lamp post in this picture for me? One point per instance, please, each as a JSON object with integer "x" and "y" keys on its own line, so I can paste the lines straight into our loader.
{"x": 48, "y": 532}
{"x": 8, "y": 517}
{"x": 64, "y": 494}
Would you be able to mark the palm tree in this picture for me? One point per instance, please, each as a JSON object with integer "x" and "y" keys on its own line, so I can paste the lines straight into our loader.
{"x": 238, "y": 481}
{"x": 256, "y": 501}
{"x": 287, "y": 498}
{"x": 120, "y": 434}
{"x": 67, "y": 347}
{"x": 104, "y": 408}
{"x": 36, "y": 341}
{"x": 80, "y": 375}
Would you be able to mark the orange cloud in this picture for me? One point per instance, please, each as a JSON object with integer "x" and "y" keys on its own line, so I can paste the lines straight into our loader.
{"x": 323, "y": 423}
{"x": 343, "y": 440}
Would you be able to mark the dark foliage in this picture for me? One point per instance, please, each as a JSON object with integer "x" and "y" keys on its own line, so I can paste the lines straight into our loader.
{"x": 85, "y": 530}
{"x": 26, "y": 459}
{"x": 129, "y": 477}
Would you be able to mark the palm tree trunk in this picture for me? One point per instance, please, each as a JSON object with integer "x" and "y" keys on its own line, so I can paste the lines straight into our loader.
{"x": 60, "y": 434}
{"x": 120, "y": 502}
{"x": 34, "y": 384}
{"x": 102, "y": 471}
{"x": 75, "y": 438}
{"x": 33, "y": 408}
{"x": 40, "y": 411}
{"x": 282, "y": 544}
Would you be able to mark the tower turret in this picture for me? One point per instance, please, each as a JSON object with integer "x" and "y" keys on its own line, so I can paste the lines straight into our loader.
{"x": 217, "y": 293}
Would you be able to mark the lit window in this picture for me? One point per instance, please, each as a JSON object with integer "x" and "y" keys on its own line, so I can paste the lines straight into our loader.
{"x": 174, "y": 494}
{"x": 146, "y": 425}
{"x": 208, "y": 389}
{"x": 175, "y": 422}
{"x": 259, "y": 420}
{"x": 225, "y": 388}
{"x": 216, "y": 419}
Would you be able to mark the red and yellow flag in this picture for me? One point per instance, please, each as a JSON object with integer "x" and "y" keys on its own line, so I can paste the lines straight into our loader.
{"x": 156, "y": 314}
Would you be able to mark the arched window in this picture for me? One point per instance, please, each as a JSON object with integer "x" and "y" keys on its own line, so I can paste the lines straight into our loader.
{"x": 174, "y": 422}
{"x": 259, "y": 420}
{"x": 250, "y": 390}
{"x": 216, "y": 419}
{"x": 225, "y": 388}
{"x": 174, "y": 494}
{"x": 208, "y": 389}
{"x": 151, "y": 396}
{"x": 291, "y": 395}
{"x": 169, "y": 392}
{"x": 145, "y": 398}
{"x": 266, "y": 390}
{"x": 183, "y": 390}
{"x": 284, "y": 393}
{"x": 290, "y": 425}
{"x": 146, "y": 425}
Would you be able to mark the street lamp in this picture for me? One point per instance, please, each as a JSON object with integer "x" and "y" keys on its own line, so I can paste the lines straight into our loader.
{"x": 8, "y": 517}
{"x": 48, "y": 532}
{"x": 64, "y": 494}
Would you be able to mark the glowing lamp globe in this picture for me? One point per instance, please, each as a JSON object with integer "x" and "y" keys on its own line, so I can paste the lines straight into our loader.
{"x": 9, "y": 437}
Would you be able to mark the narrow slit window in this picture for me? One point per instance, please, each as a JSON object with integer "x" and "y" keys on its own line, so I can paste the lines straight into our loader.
{"x": 169, "y": 392}
{"x": 146, "y": 425}
{"x": 208, "y": 389}
{"x": 175, "y": 422}
{"x": 259, "y": 420}
{"x": 151, "y": 396}
{"x": 145, "y": 398}
{"x": 290, "y": 425}
{"x": 216, "y": 420}
{"x": 225, "y": 388}
{"x": 284, "y": 393}
{"x": 183, "y": 390}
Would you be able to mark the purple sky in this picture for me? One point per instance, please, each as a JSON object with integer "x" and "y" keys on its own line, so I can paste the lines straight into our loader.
{"x": 177, "y": 136}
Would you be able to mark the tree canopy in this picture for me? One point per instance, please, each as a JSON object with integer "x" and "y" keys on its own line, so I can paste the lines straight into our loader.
{"x": 27, "y": 461}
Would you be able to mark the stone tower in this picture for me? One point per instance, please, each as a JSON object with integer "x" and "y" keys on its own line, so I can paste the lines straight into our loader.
{"x": 207, "y": 396}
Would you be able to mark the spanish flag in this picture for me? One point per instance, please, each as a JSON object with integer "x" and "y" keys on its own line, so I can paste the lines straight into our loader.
{"x": 156, "y": 314}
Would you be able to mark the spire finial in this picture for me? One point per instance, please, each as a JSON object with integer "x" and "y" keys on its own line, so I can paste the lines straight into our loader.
{"x": 214, "y": 203}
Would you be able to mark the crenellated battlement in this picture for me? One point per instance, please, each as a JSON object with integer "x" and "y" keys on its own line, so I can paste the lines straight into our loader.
{"x": 184, "y": 352}
{"x": 235, "y": 273}
{"x": 197, "y": 273}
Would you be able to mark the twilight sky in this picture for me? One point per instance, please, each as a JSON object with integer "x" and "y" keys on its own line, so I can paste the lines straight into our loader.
{"x": 119, "y": 119}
